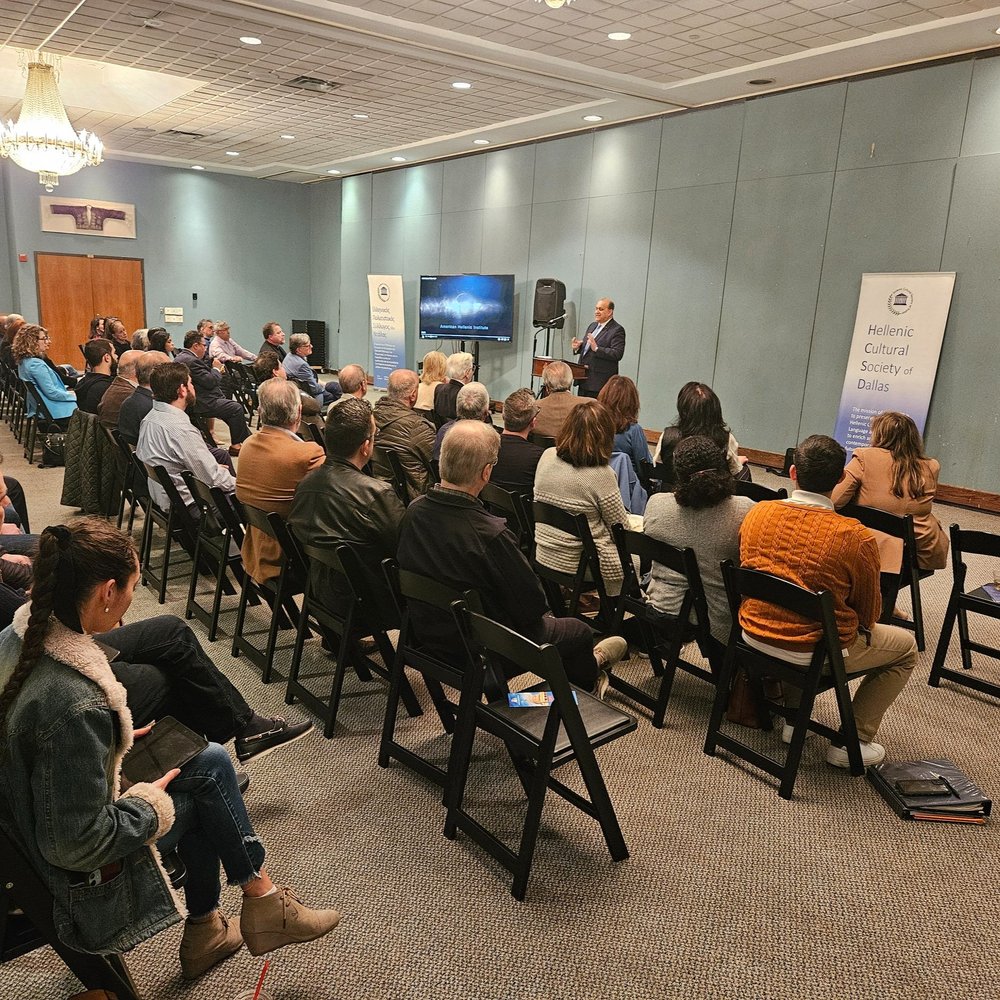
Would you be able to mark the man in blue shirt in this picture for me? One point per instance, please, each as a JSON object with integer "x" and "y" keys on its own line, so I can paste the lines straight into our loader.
{"x": 297, "y": 367}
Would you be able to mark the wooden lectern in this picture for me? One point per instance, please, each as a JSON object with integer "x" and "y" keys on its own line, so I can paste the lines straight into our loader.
{"x": 579, "y": 371}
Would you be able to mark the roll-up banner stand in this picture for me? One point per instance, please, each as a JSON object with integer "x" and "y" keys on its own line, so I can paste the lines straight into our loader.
{"x": 385, "y": 299}
{"x": 894, "y": 354}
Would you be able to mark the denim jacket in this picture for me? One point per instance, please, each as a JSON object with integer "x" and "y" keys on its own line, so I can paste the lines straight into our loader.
{"x": 61, "y": 751}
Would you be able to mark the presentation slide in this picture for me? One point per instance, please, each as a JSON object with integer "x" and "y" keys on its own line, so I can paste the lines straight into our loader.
{"x": 467, "y": 307}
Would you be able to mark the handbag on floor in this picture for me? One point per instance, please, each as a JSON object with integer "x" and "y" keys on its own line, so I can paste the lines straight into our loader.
{"x": 53, "y": 450}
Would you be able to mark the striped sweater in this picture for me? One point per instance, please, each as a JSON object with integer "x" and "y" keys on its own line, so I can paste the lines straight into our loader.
{"x": 818, "y": 549}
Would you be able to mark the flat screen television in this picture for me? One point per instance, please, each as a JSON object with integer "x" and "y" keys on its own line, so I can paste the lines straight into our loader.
{"x": 467, "y": 307}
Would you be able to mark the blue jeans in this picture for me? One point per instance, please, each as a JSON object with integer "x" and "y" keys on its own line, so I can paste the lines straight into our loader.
{"x": 211, "y": 826}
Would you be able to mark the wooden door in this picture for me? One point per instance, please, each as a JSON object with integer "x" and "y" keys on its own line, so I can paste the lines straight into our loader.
{"x": 73, "y": 288}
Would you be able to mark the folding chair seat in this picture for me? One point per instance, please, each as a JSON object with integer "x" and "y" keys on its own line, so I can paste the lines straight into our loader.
{"x": 588, "y": 571}
{"x": 359, "y": 619}
{"x": 663, "y": 636}
{"x": 757, "y": 492}
{"x": 216, "y": 551}
{"x": 539, "y": 740}
{"x": 960, "y": 604}
{"x": 279, "y": 595}
{"x": 909, "y": 575}
{"x": 825, "y": 672}
{"x": 34, "y": 926}
{"x": 176, "y": 526}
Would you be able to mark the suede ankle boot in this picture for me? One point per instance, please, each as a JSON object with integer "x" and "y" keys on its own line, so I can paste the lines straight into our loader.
{"x": 207, "y": 943}
{"x": 270, "y": 922}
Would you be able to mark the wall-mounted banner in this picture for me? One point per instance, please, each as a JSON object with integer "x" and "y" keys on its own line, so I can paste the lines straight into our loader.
{"x": 385, "y": 299}
{"x": 894, "y": 355}
{"x": 88, "y": 218}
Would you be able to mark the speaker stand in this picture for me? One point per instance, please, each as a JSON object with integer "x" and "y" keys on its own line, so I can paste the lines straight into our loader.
{"x": 475, "y": 358}
{"x": 534, "y": 354}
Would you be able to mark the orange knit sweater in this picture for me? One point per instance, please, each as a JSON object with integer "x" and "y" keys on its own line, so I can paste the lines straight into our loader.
{"x": 818, "y": 549}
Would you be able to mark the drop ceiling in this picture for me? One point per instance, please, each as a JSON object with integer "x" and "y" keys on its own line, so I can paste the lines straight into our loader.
{"x": 534, "y": 71}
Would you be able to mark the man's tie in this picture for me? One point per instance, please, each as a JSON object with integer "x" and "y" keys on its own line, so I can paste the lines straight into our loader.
{"x": 595, "y": 333}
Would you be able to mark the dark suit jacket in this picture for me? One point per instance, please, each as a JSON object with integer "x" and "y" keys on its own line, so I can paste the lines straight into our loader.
{"x": 133, "y": 410}
{"x": 273, "y": 348}
{"x": 111, "y": 402}
{"x": 207, "y": 381}
{"x": 602, "y": 363}
{"x": 444, "y": 400}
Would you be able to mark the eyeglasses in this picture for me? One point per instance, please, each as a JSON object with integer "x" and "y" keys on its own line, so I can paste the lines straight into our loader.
{"x": 44, "y": 336}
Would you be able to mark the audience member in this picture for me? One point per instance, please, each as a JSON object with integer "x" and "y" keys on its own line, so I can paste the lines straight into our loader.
{"x": 450, "y": 536}
{"x": 135, "y": 407}
{"x": 895, "y": 475}
{"x": 210, "y": 400}
{"x": 353, "y": 381}
{"x": 515, "y": 468}
{"x": 97, "y": 327}
{"x": 161, "y": 341}
{"x": 554, "y": 406}
{"x": 338, "y": 503}
{"x": 268, "y": 365}
{"x": 804, "y": 540}
{"x": 701, "y": 514}
{"x": 274, "y": 337}
{"x": 66, "y": 726}
{"x": 9, "y": 328}
{"x": 100, "y": 355}
{"x": 575, "y": 476}
{"x": 225, "y": 349}
{"x": 432, "y": 374}
{"x": 621, "y": 397}
{"x": 272, "y": 464}
{"x": 140, "y": 340}
{"x": 299, "y": 349}
{"x": 29, "y": 349}
{"x": 168, "y": 438}
{"x": 459, "y": 371}
{"x": 122, "y": 386}
{"x": 404, "y": 432}
{"x": 115, "y": 331}
{"x": 471, "y": 403}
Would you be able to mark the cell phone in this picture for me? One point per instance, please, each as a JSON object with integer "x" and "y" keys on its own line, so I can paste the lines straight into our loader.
{"x": 170, "y": 744}
{"x": 923, "y": 786}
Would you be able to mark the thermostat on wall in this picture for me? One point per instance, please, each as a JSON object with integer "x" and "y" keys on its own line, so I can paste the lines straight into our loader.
{"x": 173, "y": 314}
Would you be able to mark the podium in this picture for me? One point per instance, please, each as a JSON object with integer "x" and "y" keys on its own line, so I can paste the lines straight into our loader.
{"x": 538, "y": 364}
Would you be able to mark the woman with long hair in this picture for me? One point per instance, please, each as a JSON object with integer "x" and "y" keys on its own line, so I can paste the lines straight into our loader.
{"x": 30, "y": 350}
{"x": 895, "y": 475}
{"x": 701, "y": 514}
{"x": 620, "y": 395}
{"x": 64, "y": 730}
{"x": 700, "y": 412}
{"x": 432, "y": 374}
{"x": 575, "y": 476}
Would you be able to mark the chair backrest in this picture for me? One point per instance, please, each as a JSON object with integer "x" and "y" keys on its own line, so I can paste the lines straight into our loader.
{"x": 314, "y": 433}
{"x": 542, "y": 440}
{"x": 41, "y": 410}
{"x": 896, "y": 525}
{"x": 398, "y": 479}
{"x": 757, "y": 492}
{"x": 342, "y": 561}
{"x": 976, "y": 543}
{"x": 576, "y": 526}
{"x": 655, "y": 478}
{"x": 160, "y": 474}
{"x": 274, "y": 526}
{"x": 213, "y": 519}
{"x": 506, "y": 504}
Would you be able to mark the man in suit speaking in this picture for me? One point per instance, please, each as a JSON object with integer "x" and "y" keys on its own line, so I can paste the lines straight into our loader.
{"x": 601, "y": 348}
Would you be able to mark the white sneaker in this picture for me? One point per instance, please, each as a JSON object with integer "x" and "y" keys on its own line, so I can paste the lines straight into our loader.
{"x": 871, "y": 753}
{"x": 786, "y": 733}
{"x": 609, "y": 651}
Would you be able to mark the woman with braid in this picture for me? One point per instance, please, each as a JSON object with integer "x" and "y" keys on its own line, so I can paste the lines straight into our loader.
{"x": 64, "y": 729}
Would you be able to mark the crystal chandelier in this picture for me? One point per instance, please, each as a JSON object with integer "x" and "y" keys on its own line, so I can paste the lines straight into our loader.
{"x": 43, "y": 140}
{"x": 555, "y": 4}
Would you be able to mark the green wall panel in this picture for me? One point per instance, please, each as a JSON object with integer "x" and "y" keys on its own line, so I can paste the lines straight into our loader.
{"x": 625, "y": 159}
{"x": 562, "y": 169}
{"x": 406, "y": 193}
{"x": 982, "y": 120}
{"x": 701, "y": 147}
{"x": 509, "y": 176}
{"x": 464, "y": 184}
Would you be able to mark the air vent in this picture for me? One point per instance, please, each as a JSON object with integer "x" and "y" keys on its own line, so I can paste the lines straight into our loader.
{"x": 313, "y": 83}
{"x": 177, "y": 133}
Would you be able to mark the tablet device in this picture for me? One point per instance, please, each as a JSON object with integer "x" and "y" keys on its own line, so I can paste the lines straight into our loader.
{"x": 170, "y": 744}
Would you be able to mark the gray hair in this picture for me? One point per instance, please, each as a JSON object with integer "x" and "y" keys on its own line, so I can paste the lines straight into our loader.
{"x": 352, "y": 378}
{"x": 467, "y": 447}
{"x": 140, "y": 340}
{"x": 279, "y": 402}
{"x": 557, "y": 376}
{"x": 402, "y": 383}
{"x": 296, "y": 341}
{"x": 519, "y": 409}
{"x": 145, "y": 365}
{"x": 472, "y": 402}
{"x": 459, "y": 364}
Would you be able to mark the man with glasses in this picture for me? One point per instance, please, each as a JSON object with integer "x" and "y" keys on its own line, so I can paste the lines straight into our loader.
{"x": 297, "y": 367}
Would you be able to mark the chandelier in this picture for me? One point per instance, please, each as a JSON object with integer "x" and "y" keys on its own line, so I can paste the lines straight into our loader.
{"x": 43, "y": 140}
{"x": 554, "y": 4}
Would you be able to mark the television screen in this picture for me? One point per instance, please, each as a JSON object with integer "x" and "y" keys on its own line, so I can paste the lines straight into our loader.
{"x": 467, "y": 307}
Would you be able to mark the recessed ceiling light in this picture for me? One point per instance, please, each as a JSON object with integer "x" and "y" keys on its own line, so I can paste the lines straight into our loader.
{"x": 230, "y": 152}
{"x": 399, "y": 159}
{"x": 249, "y": 40}
{"x": 197, "y": 167}
{"x": 761, "y": 81}
{"x": 462, "y": 85}
{"x": 152, "y": 22}
{"x": 480, "y": 142}
{"x": 285, "y": 135}
{"x": 592, "y": 118}
{"x": 360, "y": 118}
{"x": 333, "y": 171}
{"x": 619, "y": 36}
{"x": 998, "y": 31}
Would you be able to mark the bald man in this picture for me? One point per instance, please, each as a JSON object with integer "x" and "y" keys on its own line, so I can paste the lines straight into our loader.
{"x": 123, "y": 385}
{"x": 403, "y": 431}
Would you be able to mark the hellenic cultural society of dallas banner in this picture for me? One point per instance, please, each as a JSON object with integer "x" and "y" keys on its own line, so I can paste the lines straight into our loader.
{"x": 385, "y": 300}
{"x": 894, "y": 355}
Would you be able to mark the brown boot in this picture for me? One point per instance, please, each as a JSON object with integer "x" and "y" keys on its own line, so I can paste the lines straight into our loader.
{"x": 270, "y": 922}
{"x": 207, "y": 943}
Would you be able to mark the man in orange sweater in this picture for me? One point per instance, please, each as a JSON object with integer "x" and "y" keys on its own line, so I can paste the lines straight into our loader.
{"x": 803, "y": 539}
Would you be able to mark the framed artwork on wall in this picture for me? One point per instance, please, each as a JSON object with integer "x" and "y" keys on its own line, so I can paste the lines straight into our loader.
{"x": 84, "y": 217}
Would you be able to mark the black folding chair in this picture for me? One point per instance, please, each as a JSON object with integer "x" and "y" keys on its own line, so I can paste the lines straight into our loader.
{"x": 824, "y": 672}
{"x": 397, "y": 474}
{"x": 27, "y": 923}
{"x": 909, "y": 575}
{"x": 960, "y": 604}
{"x": 542, "y": 440}
{"x": 655, "y": 478}
{"x": 313, "y": 433}
{"x": 134, "y": 486}
{"x": 176, "y": 524}
{"x": 539, "y": 739}
{"x": 512, "y": 506}
{"x": 41, "y": 419}
{"x": 663, "y": 635}
{"x": 757, "y": 492}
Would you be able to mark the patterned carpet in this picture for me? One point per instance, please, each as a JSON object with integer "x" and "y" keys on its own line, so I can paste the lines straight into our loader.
{"x": 730, "y": 892}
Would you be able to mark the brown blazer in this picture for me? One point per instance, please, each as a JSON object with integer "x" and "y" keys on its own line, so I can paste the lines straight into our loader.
{"x": 868, "y": 481}
{"x": 553, "y": 409}
{"x": 271, "y": 465}
{"x": 111, "y": 402}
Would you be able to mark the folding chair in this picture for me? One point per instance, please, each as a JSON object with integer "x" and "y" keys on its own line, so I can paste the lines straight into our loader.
{"x": 216, "y": 551}
{"x": 756, "y": 492}
{"x": 960, "y": 603}
{"x": 34, "y": 926}
{"x": 134, "y": 488}
{"x": 909, "y": 575}
{"x": 539, "y": 739}
{"x": 510, "y": 505}
{"x": 655, "y": 478}
{"x": 313, "y": 433}
{"x": 397, "y": 474}
{"x": 663, "y": 635}
{"x": 824, "y": 672}
{"x": 175, "y": 523}
{"x": 41, "y": 418}
{"x": 542, "y": 440}
{"x": 359, "y": 619}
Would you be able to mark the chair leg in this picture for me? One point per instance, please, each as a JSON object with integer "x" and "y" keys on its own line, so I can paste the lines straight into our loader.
{"x": 963, "y": 638}
{"x": 396, "y": 669}
{"x": 944, "y": 641}
{"x": 532, "y": 822}
{"x": 918, "y": 611}
{"x": 343, "y": 655}
{"x": 601, "y": 801}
